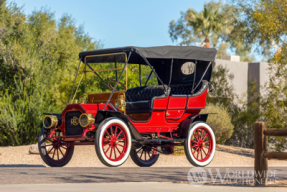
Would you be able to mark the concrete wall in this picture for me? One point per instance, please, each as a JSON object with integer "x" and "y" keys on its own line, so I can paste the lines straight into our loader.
{"x": 245, "y": 72}
{"x": 240, "y": 72}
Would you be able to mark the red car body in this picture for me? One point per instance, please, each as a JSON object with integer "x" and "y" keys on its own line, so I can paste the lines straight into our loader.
{"x": 172, "y": 112}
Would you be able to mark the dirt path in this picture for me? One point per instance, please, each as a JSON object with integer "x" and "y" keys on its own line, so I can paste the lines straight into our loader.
{"x": 85, "y": 156}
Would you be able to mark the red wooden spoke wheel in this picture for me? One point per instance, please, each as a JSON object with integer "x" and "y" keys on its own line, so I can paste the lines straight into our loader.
{"x": 54, "y": 151}
{"x": 57, "y": 149}
{"x": 145, "y": 156}
{"x": 113, "y": 142}
{"x": 200, "y": 144}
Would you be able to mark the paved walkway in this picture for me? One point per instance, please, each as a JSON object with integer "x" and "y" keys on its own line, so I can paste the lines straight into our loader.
{"x": 129, "y": 187}
{"x": 27, "y": 174}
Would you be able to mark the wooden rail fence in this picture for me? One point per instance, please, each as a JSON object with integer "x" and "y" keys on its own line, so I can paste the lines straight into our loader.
{"x": 261, "y": 154}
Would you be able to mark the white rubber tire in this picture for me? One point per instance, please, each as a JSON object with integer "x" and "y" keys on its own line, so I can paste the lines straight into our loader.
{"x": 187, "y": 146}
{"x": 99, "y": 137}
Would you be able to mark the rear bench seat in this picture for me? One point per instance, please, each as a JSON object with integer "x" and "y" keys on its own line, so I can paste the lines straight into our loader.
{"x": 139, "y": 99}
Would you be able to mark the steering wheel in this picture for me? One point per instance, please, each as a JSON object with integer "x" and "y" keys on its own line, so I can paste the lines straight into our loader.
{"x": 116, "y": 81}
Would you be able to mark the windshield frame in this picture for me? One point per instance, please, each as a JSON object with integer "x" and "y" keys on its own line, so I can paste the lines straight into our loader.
{"x": 101, "y": 70}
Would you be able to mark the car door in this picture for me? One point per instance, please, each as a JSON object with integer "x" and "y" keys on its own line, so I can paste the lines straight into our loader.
{"x": 176, "y": 107}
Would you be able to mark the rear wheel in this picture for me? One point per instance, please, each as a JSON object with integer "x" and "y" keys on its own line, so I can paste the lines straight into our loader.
{"x": 54, "y": 151}
{"x": 145, "y": 156}
{"x": 113, "y": 142}
{"x": 200, "y": 144}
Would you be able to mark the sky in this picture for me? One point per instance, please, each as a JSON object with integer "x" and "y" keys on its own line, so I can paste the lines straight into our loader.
{"x": 120, "y": 23}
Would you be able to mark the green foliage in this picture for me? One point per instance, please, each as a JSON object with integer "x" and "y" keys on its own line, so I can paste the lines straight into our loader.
{"x": 215, "y": 26}
{"x": 244, "y": 115}
{"x": 265, "y": 26}
{"x": 38, "y": 61}
{"x": 262, "y": 25}
{"x": 22, "y": 113}
{"x": 223, "y": 90}
{"x": 220, "y": 122}
{"x": 274, "y": 106}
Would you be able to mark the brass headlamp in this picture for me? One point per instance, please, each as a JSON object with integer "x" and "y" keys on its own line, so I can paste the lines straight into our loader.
{"x": 86, "y": 120}
{"x": 50, "y": 121}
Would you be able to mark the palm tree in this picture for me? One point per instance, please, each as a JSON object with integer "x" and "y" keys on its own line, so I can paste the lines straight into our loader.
{"x": 205, "y": 23}
{"x": 213, "y": 22}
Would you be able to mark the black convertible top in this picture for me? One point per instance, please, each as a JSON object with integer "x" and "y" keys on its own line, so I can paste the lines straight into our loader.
{"x": 160, "y": 52}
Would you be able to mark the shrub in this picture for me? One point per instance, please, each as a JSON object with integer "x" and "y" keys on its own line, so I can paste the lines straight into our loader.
{"x": 21, "y": 114}
{"x": 220, "y": 122}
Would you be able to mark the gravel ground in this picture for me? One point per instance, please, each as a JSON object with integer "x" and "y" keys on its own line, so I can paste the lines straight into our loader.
{"x": 85, "y": 156}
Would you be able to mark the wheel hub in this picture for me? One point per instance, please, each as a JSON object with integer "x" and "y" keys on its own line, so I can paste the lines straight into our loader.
{"x": 55, "y": 144}
{"x": 200, "y": 144}
{"x": 114, "y": 141}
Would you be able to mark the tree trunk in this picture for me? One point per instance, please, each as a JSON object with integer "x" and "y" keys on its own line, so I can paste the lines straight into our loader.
{"x": 206, "y": 43}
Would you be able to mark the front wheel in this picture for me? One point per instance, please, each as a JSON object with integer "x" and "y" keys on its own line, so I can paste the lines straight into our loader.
{"x": 200, "y": 144}
{"x": 113, "y": 142}
{"x": 54, "y": 151}
{"x": 145, "y": 156}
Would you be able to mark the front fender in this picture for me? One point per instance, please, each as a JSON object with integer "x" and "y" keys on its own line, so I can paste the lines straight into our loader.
{"x": 102, "y": 115}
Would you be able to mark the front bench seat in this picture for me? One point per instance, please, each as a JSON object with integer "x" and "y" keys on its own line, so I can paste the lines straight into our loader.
{"x": 139, "y": 99}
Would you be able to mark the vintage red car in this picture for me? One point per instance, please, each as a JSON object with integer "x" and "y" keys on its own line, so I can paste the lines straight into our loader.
{"x": 142, "y": 121}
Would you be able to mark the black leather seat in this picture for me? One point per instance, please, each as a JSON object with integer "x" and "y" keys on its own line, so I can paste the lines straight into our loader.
{"x": 140, "y": 99}
{"x": 181, "y": 89}
{"x": 186, "y": 89}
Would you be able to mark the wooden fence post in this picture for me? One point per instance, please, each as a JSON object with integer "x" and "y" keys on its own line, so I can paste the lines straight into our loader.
{"x": 260, "y": 146}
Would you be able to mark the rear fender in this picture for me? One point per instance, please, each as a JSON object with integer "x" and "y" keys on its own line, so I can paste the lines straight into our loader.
{"x": 185, "y": 123}
{"x": 102, "y": 115}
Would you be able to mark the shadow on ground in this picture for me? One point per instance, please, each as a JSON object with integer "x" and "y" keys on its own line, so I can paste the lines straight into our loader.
{"x": 21, "y": 165}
